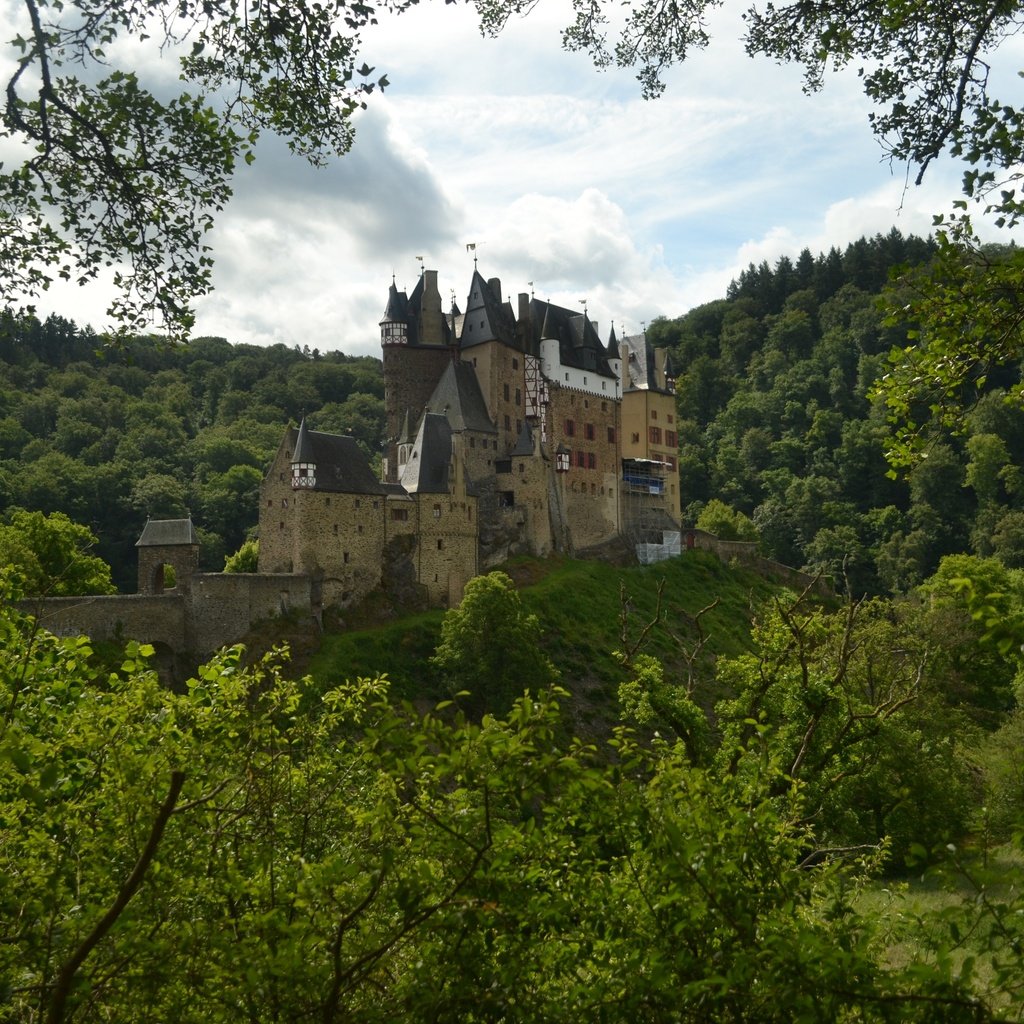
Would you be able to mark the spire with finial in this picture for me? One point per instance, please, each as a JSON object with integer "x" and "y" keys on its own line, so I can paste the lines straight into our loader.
{"x": 303, "y": 460}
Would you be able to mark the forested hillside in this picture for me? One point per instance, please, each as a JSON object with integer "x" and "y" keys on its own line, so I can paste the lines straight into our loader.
{"x": 779, "y": 438}
{"x": 706, "y": 805}
{"x": 109, "y": 436}
{"x": 777, "y": 423}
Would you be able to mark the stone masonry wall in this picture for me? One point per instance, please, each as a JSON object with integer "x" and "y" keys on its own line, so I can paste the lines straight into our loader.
{"x": 142, "y": 617}
{"x": 218, "y": 609}
{"x": 588, "y": 426}
{"x": 224, "y": 606}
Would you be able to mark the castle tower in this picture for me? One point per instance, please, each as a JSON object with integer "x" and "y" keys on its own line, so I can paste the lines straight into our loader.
{"x": 416, "y": 343}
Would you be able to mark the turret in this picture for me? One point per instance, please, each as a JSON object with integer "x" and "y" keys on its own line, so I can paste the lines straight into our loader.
{"x": 303, "y": 460}
{"x": 394, "y": 325}
{"x": 614, "y": 355}
{"x": 405, "y": 443}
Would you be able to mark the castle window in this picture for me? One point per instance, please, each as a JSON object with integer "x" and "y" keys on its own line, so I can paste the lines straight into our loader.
{"x": 584, "y": 381}
{"x": 654, "y": 435}
{"x": 522, "y": 467}
{"x": 270, "y": 502}
{"x": 515, "y": 363}
{"x": 567, "y": 376}
{"x": 281, "y": 476}
{"x": 495, "y": 444}
{"x": 437, "y": 511}
{"x": 284, "y": 503}
{"x": 588, "y": 431}
{"x": 611, "y": 435}
{"x": 440, "y": 544}
{"x": 328, "y": 502}
{"x": 581, "y": 459}
{"x": 635, "y": 438}
{"x": 654, "y": 414}
{"x": 280, "y": 526}
{"x": 671, "y": 438}
{"x": 604, "y": 407}
{"x": 591, "y": 460}
{"x": 519, "y": 426}
{"x": 376, "y": 504}
{"x": 344, "y": 557}
{"x": 604, "y": 385}
{"x": 504, "y": 391}
{"x": 359, "y": 528}
{"x": 671, "y": 418}
{"x": 335, "y": 529}
{"x": 671, "y": 459}
{"x": 586, "y": 401}
{"x": 508, "y": 423}
{"x": 503, "y": 466}
{"x": 519, "y": 397}
{"x": 400, "y": 515}
{"x": 570, "y": 428}
{"x": 469, "y": 513}
{"x": 593, "y": 488}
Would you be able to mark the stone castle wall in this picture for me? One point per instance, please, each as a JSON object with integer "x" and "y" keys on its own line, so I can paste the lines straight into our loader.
{"x": 215, "y": 610}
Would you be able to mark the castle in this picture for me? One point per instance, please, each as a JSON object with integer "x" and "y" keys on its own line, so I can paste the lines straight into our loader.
{"x": 508, "y": 432}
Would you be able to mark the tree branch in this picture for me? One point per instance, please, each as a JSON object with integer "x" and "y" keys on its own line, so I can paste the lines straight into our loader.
{"x": 66, "y": 976}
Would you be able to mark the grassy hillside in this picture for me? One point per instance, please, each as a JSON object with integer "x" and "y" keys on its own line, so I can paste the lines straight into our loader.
{"x": 580, "y": 607}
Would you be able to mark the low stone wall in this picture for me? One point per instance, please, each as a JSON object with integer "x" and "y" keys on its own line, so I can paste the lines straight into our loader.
{"x": 216, "y": 610}
{"x": 147, "y": 618}
{"x": 745, "y": 553}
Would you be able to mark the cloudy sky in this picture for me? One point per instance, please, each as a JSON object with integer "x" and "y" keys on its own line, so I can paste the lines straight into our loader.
{"x": 566, "y": 180}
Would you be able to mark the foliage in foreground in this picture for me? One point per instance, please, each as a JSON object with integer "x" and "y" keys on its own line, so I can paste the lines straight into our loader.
{"x": 217, "y": 856}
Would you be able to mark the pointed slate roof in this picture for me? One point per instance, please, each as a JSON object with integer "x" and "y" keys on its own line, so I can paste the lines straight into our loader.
{"x": 166, "y": 533}
{"x": 487, "y": 318}
{"x": 397, "y": 307}
{"x": 613, "y": 345}
{"x": 404, "y": 436}
{"x": 342, "y": 467}
{"x": 458, "y": 398}
{"x": 429, "y": 465}
{"x": 303, "y": 446}
{"x": 524, "y": 443}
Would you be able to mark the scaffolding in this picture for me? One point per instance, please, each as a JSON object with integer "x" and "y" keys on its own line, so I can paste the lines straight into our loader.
{"x": 647, "y": 523}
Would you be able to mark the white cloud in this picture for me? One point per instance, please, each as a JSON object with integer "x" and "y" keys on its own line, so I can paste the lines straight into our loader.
{"x": 561, "y": 175}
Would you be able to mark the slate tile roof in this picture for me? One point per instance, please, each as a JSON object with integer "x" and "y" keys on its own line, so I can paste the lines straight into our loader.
{"x": 341, "y": 465}
{"x": 168, "y": 533}
{"x": 458, "y": 398}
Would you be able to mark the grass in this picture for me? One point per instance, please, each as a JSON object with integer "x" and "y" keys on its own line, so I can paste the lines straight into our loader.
{"x": 579, "y": 605}
{"x": 949, "y": 909}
